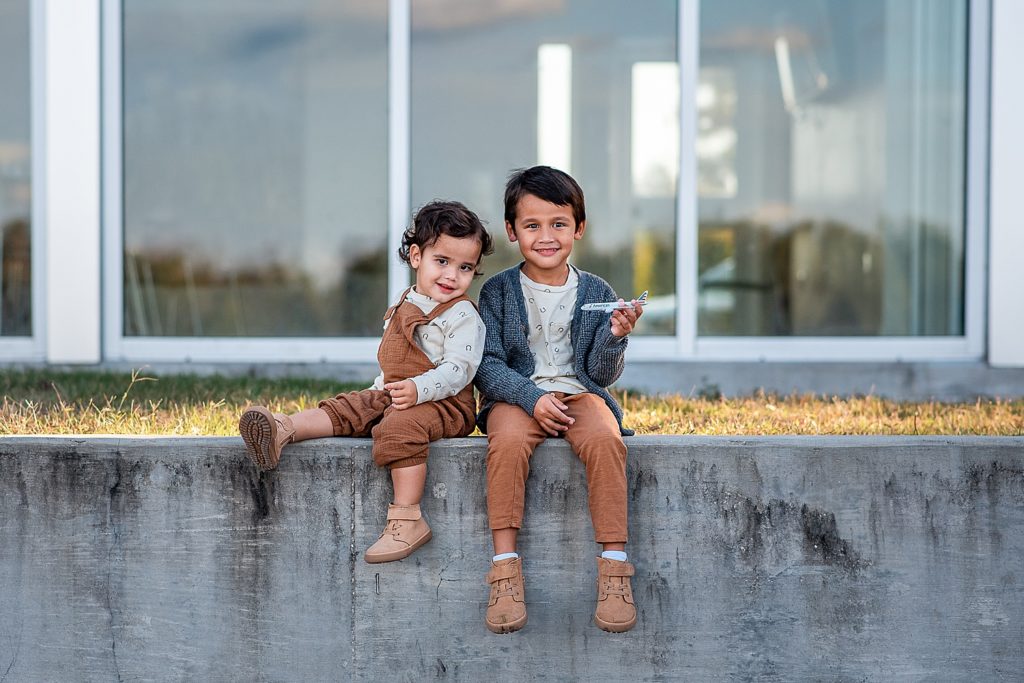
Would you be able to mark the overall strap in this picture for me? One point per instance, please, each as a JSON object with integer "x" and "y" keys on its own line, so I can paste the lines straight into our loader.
{"x": 441, "y": 308}
{"x": 401, "y": 300}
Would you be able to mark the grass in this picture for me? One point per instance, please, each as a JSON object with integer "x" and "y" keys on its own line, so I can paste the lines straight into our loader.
{"x": 45, "y": 402}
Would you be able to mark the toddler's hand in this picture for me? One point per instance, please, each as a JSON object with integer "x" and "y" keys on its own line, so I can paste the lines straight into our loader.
{"x": 550, "y": 416}
{"x": 403, "y": 394}
{"x": 624, "y": 319}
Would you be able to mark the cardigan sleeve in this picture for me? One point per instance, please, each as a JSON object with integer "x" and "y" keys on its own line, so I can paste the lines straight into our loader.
{"x": 495, "y": 379}
{"x": 606, "y": 357}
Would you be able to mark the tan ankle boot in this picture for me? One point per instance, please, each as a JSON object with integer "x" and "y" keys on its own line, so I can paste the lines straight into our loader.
{"x": 265, "y": 434}
{"x": 506, "y": 608}
{"x": 615, "y": 609}
{"x": 405, "y": 531}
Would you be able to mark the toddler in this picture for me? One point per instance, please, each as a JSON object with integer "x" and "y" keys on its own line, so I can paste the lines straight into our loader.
{"x": 430, "y": 349}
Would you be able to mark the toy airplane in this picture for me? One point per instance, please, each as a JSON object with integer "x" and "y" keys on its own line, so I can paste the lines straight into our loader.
{"x": 615, "y": 305}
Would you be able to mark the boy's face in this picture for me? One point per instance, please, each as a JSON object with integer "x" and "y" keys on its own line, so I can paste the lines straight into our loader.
{"x": 445, "y": 269}
{"x": 545, "y": 233}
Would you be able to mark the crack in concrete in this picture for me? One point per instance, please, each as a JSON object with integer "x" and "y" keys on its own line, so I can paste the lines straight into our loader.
{"x": 115, "y": 540}
{"x": 440, "y": 574}
{"x": 17, "y": 650}
{"x": 352, "y": 557}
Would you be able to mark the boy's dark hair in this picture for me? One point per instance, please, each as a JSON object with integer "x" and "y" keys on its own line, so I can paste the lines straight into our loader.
{"x": 444, "y": 218}
{"x": 549, "y": 184}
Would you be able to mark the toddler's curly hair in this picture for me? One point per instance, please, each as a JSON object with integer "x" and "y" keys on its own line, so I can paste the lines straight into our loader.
{"x": 444, "y": 218}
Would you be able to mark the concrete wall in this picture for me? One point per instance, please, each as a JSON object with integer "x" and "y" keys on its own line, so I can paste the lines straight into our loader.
{"x": 778, "y": 558}
{"x": 948, "y": 381}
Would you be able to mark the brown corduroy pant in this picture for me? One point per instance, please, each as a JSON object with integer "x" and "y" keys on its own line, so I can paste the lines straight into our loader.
{"x": 512, "y": 436}
{"x": 401, "y": 438}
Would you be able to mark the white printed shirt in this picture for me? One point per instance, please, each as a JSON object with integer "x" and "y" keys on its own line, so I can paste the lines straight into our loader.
{"x": 454, "y": 343}
{"x": 549, "y": 309}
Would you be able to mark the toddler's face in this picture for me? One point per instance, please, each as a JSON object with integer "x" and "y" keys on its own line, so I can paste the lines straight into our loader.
{"x": 445, "y": 269}
{"x": 545, "y": 233}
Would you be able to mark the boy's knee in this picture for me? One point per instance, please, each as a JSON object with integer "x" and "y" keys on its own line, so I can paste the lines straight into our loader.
{"x": 506, "y": 448}
{"x": 600, "y": 447}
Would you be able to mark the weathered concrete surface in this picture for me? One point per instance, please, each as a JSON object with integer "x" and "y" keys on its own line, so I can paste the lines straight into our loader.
{"x": 766, "y": 558}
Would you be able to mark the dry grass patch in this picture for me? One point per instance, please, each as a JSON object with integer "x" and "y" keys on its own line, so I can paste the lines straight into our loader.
{"x": 41, "y": 402}
{"x": 788, "y": 415}
{"x": 38, "y": 402}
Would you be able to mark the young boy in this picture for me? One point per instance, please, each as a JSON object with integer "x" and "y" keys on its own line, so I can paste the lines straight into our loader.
{"x": 545, "y": 368}
{"x": 431, "y": 347}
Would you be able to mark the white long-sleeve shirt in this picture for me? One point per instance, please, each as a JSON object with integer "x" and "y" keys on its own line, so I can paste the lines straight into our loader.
{"x": 549, "y": 309}
{"x": 454, "y": 343}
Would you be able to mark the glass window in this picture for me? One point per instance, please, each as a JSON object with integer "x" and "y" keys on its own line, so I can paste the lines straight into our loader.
{"x": 831, "y": 154}
{"x": 255, "y": 168}
{"x": 588, "y": 86}
{"x": 15, "y": 171}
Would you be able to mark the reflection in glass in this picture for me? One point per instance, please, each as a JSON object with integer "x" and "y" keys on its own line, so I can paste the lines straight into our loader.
{"x": 831, "y": 152}
{"x": 655, "y": 130}
{"x": 15, "y": 171}
{"x": 500, "y": 86}
{"x": 255, "y": 179}
{"x": 554, "y": 106}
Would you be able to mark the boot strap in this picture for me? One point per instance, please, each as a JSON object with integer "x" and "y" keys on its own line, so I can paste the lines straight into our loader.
{"x": 285, "y": 427}
{"x": 407, "y": 514}
{"x": 617, "y": 569}
{"x": 505, "y": 571}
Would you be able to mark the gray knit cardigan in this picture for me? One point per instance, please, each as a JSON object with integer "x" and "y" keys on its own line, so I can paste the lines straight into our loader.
{"x": 504, "y": 372}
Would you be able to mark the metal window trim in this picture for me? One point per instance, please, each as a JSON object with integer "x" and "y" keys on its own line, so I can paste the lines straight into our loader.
{"x": 838, "y": 349}
{"x": 688, "y": 46}
{"x": 979, "y": 46}
{"x": 112, "y": 227}
{"x": 116, "y": 346}
{"x": 251, "y": 350}
{"x": 966, "y": 347}
{"x": 685, "y": 345}
{"x": 399, "y": 124}
{"x": 71, "y": 171}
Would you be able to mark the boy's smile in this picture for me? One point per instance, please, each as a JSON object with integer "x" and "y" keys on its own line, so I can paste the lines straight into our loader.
{"x": 445, "y": 269}
{"x": 545, "y": 233}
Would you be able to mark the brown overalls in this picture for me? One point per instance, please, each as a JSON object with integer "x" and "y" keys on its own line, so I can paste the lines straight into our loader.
{"x": 401, "y": 438}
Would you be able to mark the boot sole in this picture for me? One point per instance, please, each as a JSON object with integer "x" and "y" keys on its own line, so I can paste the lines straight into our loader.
{"x": 258, "y": 431}
{"x": 615, "y": 627}
{"x": 510, "y": 627}
{"x": 396, "y": 555}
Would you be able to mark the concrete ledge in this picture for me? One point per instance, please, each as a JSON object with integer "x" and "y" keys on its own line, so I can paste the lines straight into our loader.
{"x": 780, "y": 558}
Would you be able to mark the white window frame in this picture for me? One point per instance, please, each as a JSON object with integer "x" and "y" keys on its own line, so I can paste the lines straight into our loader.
{"x": 1005, "y": 315}
{"x": 121, "y": 348}
{"x": 32, "y": 348}
{"x": 969, "y": 346}
{"x": 686, "y": 344}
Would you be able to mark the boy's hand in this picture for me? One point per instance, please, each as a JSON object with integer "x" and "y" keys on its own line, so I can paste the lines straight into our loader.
{"x": 550, "y": 416}
{"x": 623, "y": 319}
{"x": 403, "y": 394}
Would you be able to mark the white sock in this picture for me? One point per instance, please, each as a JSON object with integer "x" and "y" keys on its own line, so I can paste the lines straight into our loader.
{"x": 504, "y": 556}
{"x": 619, "y": 555}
